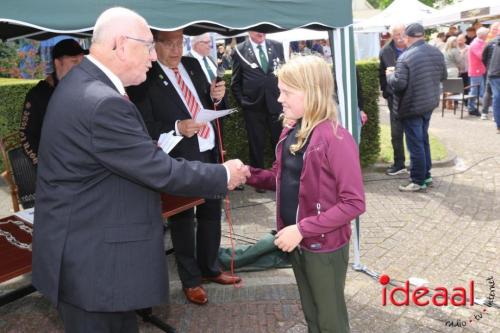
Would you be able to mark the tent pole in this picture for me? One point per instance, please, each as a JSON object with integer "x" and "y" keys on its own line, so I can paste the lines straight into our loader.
{"x": 342, "y": 41}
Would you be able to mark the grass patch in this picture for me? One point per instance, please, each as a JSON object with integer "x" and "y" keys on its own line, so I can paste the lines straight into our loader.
{"x": 438, "y": 150}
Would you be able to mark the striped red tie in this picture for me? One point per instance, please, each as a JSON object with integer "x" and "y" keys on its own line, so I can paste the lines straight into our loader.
{"x": 192, "y": 105}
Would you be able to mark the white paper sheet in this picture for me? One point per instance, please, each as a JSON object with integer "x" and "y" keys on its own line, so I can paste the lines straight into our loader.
{"x": 27, "y": 215}
{"x": 206, "y": 115}
{"x": 167, "y": 141}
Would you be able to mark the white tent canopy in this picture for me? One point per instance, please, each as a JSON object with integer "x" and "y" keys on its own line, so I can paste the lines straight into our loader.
{"x": 467, "y": 10}
{"x": 366, "y": 44}
{"x": 400, "y": 11}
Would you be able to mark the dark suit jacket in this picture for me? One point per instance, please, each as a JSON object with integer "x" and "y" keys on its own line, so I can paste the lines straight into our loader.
{"x": 161, "y": 106}
{"x": 98, "y": 232}
{"x": 250, "y": 85}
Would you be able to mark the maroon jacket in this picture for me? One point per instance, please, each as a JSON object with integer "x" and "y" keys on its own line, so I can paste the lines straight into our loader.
{"x": 331, "y": 190}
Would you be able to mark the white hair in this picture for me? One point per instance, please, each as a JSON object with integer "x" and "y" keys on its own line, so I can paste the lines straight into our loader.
{"x": 196, "y": 39}
{"x": 396, "y": 26}
{"x": 115, "y": 21}
{"x": 482, "y": 31}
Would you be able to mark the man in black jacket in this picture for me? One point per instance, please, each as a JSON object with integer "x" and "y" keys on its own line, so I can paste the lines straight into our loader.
{"x": 388, "y": 57}
{"x": 415, "y": 82}
{"x": 65, "y": 54}
{"x": 175, "y": 89}
{"x": 255, "y": 88}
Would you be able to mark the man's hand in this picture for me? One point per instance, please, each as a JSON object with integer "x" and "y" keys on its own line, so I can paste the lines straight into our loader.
{"x": 217, "y": 90}
{"x": 288, "y": 238}
{"x": 364, "y": 118}
{"x": 389, "y": 70}
{"x": 239, "y": 173}
{"x": 189, "y": 127}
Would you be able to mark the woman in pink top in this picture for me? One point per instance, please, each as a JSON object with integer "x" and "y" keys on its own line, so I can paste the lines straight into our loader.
{"x": 477, "y": 68}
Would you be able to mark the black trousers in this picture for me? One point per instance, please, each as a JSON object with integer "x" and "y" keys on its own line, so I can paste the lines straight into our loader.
{"x": 197, "y": 244}
{"x": 397, "y": 135}
{"x": 258, "y": 122}
{"x": 77, "y": 320}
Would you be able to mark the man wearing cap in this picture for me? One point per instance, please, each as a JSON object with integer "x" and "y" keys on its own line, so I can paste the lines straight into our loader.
{"x": 415, "y": 82}
{"x": 66, "y": 54}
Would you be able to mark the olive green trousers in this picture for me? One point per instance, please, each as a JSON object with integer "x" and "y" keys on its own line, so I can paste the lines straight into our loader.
{"x": 321, "y": 280}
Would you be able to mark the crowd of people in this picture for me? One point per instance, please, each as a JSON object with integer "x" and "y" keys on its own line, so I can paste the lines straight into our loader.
{"x": 469, "y": 56}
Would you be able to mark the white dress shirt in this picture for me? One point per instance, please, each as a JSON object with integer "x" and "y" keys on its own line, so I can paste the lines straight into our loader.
{"x": 212, "y": 66}
{"x": 257, "y": 52}
{"x": 204, "y": 144}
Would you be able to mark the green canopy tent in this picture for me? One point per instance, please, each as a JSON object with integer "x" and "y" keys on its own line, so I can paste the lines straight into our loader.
{"x": 42, "y": 19}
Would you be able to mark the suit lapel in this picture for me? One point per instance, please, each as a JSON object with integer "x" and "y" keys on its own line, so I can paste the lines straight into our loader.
{"x": 270, "y": 58}
{"x": 167, "y": 88}
{"x": 249, "y": 54}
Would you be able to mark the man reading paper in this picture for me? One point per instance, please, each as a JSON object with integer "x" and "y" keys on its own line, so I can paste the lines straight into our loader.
{"x": 175, "y": 92}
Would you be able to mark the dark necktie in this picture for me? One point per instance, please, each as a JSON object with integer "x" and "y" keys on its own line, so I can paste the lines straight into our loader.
{"x": 263, "y": 59}
{"x": 191, "y": 102}
{"x": 207, "y": 66}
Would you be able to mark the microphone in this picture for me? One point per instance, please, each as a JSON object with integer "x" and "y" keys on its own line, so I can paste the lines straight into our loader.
{"x": 220, "y": 73}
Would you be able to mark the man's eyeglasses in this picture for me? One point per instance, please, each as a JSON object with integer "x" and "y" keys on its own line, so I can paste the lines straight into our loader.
{"x": 149, "y": 44}
{"x": 171, "y": 45}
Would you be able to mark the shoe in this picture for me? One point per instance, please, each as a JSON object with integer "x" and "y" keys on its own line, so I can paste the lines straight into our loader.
{"x": 239, "y": 188}
{"x": 474, "y": 113}
{"x": 412, "y": 187}
{"x": 259, "y": 190}
{"x": 484, "y": 116}
{"x": 428, "y": 182}
{"x": 498, "y": 130}
{"x": 196, "y": 295}
{"x": 223, "y": 278}
{"x": 394, "y": 170}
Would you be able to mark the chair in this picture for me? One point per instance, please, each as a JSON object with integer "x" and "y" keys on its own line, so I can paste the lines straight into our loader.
{"x": 454, "y": 90}
{"x": 19, "y": 174}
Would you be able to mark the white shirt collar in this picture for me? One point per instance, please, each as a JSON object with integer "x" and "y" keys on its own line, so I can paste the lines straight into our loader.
{"x": 114, "y": 79}
{"x": 197, "y": 55}
{"x": 255, "y": 45}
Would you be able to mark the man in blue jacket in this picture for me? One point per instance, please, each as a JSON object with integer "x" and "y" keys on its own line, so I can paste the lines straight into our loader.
{"x": 415, "y": 82}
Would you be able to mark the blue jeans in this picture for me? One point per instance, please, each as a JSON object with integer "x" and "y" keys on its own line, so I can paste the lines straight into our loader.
{"x": 417, "y": 142}
{"x": 495, "y": 90}
{"x": 475, "y": 91}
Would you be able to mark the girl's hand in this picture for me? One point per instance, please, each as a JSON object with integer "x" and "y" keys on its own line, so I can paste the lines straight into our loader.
{"x": 288, "y": 238}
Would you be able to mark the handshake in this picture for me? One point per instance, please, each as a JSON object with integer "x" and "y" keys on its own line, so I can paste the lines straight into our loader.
{"x": 238, "y": 171}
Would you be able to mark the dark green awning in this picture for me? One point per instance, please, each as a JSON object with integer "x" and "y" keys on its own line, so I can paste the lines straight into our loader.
{"x": 30, "y": 17}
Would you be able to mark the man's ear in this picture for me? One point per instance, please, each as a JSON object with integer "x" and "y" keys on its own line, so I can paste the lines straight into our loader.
{"x": 57, "y": 65}
{"x": 120, "y": 47}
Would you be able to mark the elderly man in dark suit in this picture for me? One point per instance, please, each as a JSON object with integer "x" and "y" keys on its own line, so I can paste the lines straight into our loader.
{"x": 98, "y": 233}
{"x": 255, "y": 88}
{"x": 200, "y": 50}
{"x": 176, "y": 89}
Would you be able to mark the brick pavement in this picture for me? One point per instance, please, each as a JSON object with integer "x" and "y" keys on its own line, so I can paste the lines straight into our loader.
{"x": 447, "y": 236}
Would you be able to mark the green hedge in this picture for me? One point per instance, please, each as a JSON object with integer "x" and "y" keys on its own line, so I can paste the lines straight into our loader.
{"x": 235, "y": 137}
{"x": 13, "y": 91}
{"x": 369, "y": 147}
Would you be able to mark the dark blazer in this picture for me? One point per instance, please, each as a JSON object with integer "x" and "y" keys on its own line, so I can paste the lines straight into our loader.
{"x": 161, "y": 106}
{"x": 98, "y": 231}
{"x": 250, "y": 85}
